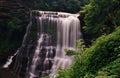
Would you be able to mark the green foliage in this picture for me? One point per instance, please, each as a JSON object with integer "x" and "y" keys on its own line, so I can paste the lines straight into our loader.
{"x": 111, "y": 70}
{"x": 102, "y": 59}
{"x": 71, "y": 6}
{"x": 14, "y": 23}
{"x": 12, "y": 30}
{"x": 70, "y": 52}
{"x": 80, "y": 44}
{"x": 59, "y": 5}
{"x": 80, "y": 48}
{"x": 101, "y": 17}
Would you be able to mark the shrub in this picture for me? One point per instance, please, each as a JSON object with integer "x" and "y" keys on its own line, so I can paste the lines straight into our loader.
{"x": 103, "y": 55}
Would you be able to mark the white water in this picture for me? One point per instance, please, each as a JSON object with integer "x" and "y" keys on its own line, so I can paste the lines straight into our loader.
{"x": 49, "y": 53}
{"x": 68, "y": 31}
{"x": 9, "y": 61}
{"x": 36, "y": 56}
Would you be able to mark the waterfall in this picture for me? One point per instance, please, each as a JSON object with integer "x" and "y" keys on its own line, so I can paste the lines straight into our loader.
{"x": 45, "y": 53}
{"x": 23, "y": 44}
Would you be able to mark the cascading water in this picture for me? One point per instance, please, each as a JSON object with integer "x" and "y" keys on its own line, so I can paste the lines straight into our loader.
{"x": 56, "y": 31}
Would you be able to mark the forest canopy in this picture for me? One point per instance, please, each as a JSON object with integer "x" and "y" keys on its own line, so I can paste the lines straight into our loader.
{"x": 71, "y": 6}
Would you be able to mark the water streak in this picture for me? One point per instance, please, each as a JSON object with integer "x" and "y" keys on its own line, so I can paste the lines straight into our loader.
{"x": 56, "y": 31}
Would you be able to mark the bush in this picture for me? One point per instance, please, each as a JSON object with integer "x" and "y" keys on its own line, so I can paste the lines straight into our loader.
{"x": 103, "y": 55}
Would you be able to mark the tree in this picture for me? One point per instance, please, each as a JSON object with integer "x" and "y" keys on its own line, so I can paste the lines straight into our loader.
{"x": 102, "y": 17}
